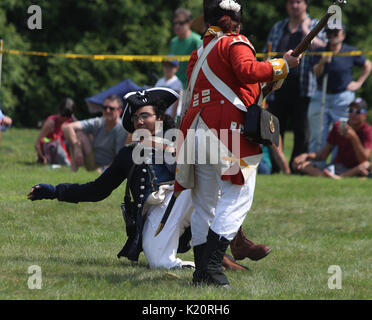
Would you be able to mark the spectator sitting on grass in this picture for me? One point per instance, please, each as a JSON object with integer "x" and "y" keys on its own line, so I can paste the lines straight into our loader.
{"x": 354, "y": 141}
{"x": 340, "y": 86}
{"x": 5, "y": 122}
{"x": 95, "y": 142}
{"x": 52, "y": 132}
{"x": 273, "y": 160}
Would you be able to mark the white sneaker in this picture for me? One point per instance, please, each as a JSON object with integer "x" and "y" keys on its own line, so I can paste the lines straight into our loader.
{"x": 187, "y": 265}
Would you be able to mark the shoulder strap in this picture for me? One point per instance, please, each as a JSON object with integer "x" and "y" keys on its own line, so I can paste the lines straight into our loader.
{"x": 190, "y": 87}
{"x": 200, "y": 62}
{"x": 223, "y": 88}
{"x": 129, "y": 180}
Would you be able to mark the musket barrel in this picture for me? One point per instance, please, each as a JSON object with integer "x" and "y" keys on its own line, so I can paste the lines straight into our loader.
{"x": 305, "y": 43}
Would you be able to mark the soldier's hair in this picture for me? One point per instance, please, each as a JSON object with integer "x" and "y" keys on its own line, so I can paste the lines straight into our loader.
{"x": 227, "y": 24}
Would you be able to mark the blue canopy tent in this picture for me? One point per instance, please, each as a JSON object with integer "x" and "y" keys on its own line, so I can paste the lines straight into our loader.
{"x": 121, "y": 89}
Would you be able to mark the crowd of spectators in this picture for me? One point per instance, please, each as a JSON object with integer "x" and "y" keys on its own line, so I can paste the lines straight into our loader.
{"x": 315, "y": 97}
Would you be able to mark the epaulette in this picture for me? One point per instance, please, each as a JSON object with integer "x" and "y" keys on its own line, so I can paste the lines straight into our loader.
{"x": 242, "y": 39}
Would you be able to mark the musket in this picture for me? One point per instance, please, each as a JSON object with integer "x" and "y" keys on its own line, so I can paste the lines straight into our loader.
{"x": 305, "y": 43}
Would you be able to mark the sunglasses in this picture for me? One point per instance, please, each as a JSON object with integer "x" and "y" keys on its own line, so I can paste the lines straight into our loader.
{"x": 108, "y": 107}
{"x": 357, "y": 111}
{"x": 142, "y": 116}
{"x": 180, "y": 23}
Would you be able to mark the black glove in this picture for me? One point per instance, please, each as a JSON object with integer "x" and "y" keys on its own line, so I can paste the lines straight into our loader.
{"x": 42, "y": 191}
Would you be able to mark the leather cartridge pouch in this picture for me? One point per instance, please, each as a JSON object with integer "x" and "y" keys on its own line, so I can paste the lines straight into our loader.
{"x": 260, "y": 126}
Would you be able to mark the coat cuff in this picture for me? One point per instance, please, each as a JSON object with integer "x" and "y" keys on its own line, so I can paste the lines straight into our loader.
{"x": 280, "y": 69}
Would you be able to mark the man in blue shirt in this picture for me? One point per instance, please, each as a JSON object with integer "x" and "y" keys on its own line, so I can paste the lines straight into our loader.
{"x": 340, "y": 86}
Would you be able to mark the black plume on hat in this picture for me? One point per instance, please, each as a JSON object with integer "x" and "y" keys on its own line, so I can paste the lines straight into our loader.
{"x": 158, "y": 97}
{"x": 213, "y": 11}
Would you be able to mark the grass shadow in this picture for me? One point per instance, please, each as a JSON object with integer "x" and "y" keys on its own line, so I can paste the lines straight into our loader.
{"x": 122, "y": 272}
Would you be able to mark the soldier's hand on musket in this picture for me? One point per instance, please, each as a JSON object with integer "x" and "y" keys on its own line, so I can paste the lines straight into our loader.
{"x": 291, "y": 60}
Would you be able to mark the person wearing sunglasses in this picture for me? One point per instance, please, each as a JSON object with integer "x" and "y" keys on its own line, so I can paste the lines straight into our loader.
{"x": 95, "y": 142}
{"x": 340, "y": 87}
{"x": 185, "y": 40}
{"x": 353, "y": 137}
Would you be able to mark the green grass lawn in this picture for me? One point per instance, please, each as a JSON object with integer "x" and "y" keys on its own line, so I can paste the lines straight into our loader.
{"x": 310, "y": 223}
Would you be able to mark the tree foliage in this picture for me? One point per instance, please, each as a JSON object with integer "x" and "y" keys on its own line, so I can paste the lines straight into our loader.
{"x": 32, "y": 86}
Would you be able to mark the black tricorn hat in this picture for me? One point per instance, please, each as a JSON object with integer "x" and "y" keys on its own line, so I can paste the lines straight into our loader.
{"x": 216, "y": 9}
{"x": 158, "y": 97}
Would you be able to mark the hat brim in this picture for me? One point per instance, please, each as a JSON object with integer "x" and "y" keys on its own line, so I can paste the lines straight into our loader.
{"x": 157, "y": 97}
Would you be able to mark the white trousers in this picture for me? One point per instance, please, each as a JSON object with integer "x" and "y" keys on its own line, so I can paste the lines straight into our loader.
{"x": 224, "y": 214}
{"x": 218, "y": 204}
{"x": 161, "y": 251}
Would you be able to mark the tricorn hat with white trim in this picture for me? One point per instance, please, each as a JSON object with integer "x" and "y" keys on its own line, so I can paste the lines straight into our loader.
{"x": 158, "y": 97}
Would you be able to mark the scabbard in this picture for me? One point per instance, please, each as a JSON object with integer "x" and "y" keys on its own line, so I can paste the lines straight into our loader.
{"x": 166, "y": 214}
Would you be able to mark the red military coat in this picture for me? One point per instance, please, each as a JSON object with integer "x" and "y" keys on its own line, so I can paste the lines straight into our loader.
{"x": 233, "y": 60}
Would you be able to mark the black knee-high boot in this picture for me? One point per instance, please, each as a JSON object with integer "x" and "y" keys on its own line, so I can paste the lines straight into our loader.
{"x": 208, "y": 269}
{"x": 198, "y": 255}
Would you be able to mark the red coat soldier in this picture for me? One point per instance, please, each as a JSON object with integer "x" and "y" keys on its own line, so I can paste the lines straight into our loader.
{"x": 224, "y": 80}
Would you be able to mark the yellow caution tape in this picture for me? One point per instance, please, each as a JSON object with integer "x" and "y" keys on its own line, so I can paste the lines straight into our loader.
{"x": 147, "y": 58}
{"x": 324, "y": 53}
{"x": 161, "y": 58}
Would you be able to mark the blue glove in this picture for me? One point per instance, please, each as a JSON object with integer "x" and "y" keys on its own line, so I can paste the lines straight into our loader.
{"x": 42, "y": 191}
